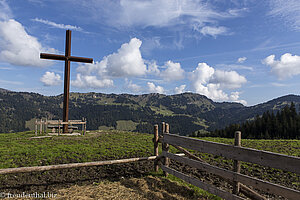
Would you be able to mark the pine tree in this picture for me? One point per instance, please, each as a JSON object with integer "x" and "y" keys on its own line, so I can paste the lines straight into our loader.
{"x": 285, "y": 124}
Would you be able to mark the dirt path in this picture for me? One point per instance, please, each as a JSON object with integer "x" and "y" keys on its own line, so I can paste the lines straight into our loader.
{"x": 149, "y": 187}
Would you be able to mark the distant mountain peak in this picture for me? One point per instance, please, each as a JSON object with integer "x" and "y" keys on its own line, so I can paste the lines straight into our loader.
{"x": 285, "y": 98}
{"x": 4, "y": 90}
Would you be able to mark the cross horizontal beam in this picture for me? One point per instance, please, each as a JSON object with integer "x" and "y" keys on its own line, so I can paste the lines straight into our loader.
{"x": 63, "y": 57}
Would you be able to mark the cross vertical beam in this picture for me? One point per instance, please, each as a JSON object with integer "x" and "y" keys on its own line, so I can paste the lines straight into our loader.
{"x": 67, "y": 58}
{"x": 67, "y": 81}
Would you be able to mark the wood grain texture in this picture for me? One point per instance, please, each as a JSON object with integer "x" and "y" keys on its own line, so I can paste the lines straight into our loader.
{"x": 237, "y": 163}
{"x": 274, "y": 160}
{"x": 233, "y": 176}
{"x": 196, "y": 182}
{"x": 155, "y": 141}
{"x": 72, "y": 165}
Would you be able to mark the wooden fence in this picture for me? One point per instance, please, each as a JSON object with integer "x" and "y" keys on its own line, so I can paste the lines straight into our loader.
{"x": 235, "y": 152}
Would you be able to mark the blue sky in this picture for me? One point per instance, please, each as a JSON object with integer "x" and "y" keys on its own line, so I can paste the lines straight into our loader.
{"x": 245, "y": 51}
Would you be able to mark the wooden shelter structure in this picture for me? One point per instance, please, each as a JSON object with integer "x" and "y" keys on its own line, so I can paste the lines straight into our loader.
{"x": 41, "y": 126}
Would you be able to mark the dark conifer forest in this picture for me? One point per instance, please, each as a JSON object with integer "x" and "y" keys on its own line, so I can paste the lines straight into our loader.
{"x": 285, "y": 124}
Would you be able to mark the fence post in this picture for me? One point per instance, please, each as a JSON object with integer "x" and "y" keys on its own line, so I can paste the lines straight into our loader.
{"x": 84, "y": 126}
{"x": 46, "y": 126}
{"x": 58, "y": 127}
{"x": 167, "y": 128}
{"x": 236, "y": 163}
{"x": 163, "y": 128}
{"x": 41, "y": 126}
{"x": 166, "y": 148}
{"x": 36, "y": 127}
{"x": 155, "y": 141}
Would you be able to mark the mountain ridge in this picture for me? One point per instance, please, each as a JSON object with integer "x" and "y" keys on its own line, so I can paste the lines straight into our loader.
{"x": 186, "y": 112}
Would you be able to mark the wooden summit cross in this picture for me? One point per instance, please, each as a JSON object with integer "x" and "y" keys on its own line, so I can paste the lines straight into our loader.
{"x": 67, "y": 58}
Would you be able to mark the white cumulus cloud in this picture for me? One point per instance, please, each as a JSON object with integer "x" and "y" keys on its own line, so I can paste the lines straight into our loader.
{"x": 127, "y": 61}
{"x": 133, "y": 87}
{"x": 287, "y": 66}
{"x": 17, "y": 47}
{"x": 98, "y": 68}
{"x": 228, "y": 79}
{"x": 234, "y": 96}
{"x": 203, "y": 73}
{"x": 50, "y": 79}
{"x": 152, "y": 88}
{"x": 180, "y": 89}
{"x": 174, "y": 72}
{"x": 210, "y": 82}
{"x": 153, "y": 68}
{"x": 87, "y": 81}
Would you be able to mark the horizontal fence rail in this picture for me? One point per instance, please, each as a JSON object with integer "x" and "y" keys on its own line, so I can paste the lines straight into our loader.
{"x": 265, "y": 158}
{"x": 233, "y": 176}
{"x": 73, "y": 165}
{"x": 196, "y": 182}
{"x": 60, "y": 123}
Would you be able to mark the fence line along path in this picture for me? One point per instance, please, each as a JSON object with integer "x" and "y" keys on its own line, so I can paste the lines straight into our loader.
{"x": 240, "y": 182}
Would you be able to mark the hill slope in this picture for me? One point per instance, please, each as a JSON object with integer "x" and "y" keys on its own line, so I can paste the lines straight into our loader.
{"x": 185, "y": 113}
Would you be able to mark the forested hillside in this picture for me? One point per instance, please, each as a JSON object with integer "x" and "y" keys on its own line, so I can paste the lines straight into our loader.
{"x": 186, "y": 113}
{"x": 285, "y": 124}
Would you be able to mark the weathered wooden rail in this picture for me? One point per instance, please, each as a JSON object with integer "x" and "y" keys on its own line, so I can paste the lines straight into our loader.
{"x": 237, "y": 153}
{"x": 73, "y": 165}
{"x": 76, "y": 165}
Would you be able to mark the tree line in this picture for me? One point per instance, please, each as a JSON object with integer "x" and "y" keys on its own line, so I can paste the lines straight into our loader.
{"x": 285, "y": 124}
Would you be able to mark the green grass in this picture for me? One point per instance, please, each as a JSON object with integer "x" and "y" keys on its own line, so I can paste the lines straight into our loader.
{"x": 106, "y": 128}
{"x": 162, "y": 110}
{"x": 198, "y": 191}
{"x": 201, "y": 122}
{"x": 19, "y": 150}
{"x": 126, "y": 125}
